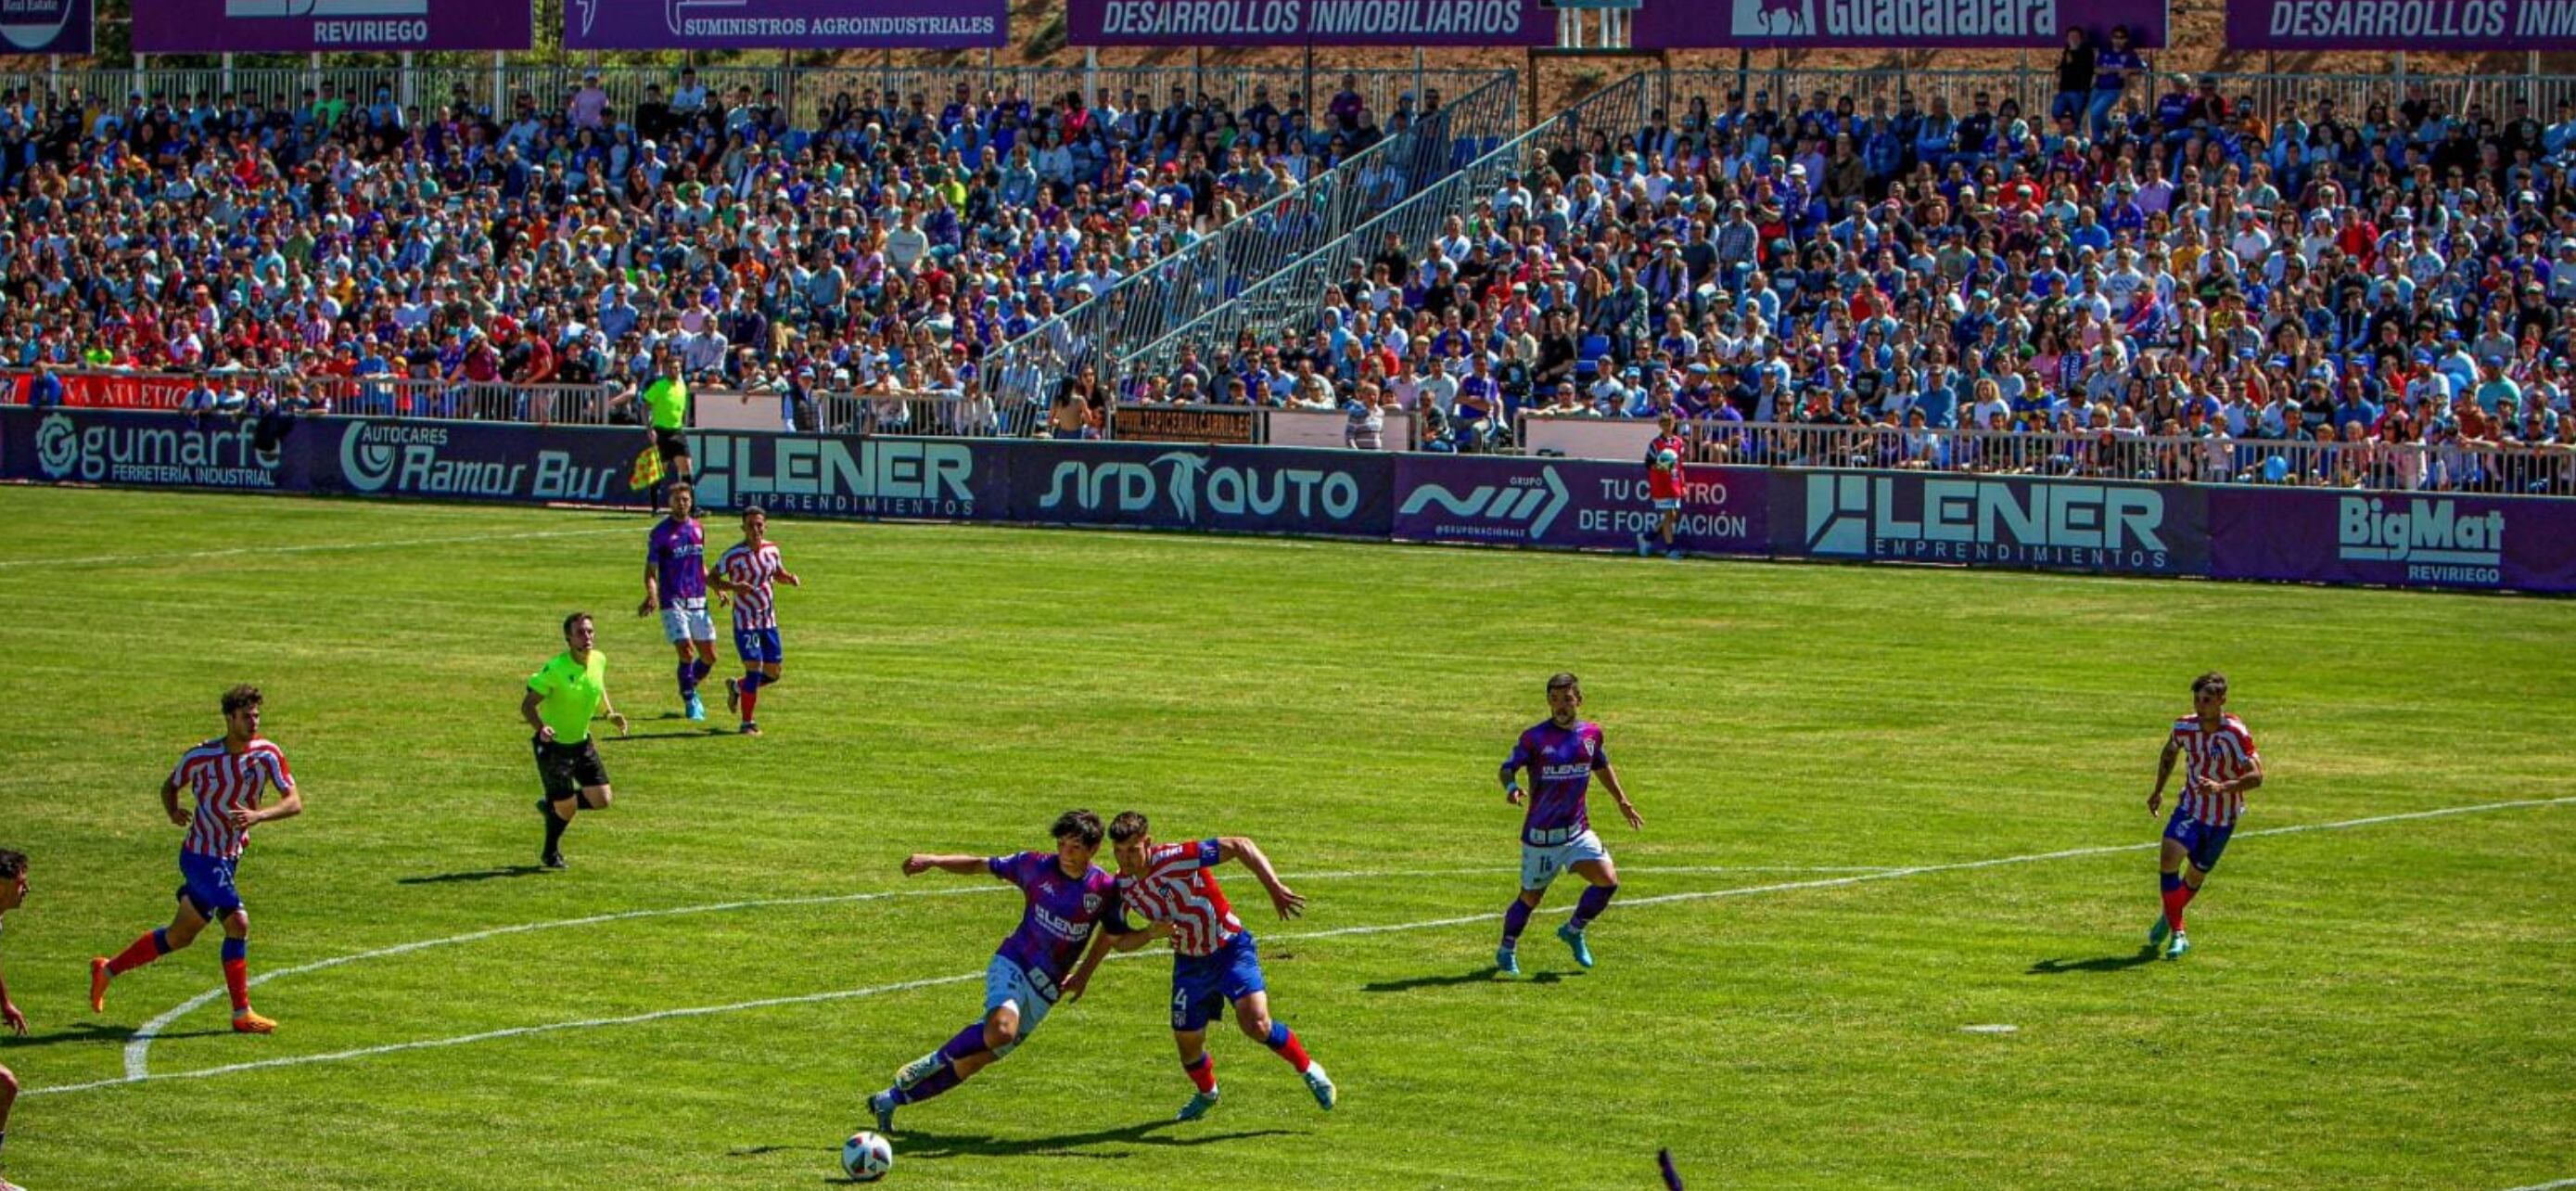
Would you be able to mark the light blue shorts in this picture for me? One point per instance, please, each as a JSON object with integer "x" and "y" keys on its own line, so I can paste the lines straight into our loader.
{"x": 1032, "y": 994}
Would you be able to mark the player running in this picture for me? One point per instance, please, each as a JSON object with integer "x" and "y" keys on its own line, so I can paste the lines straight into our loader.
{"x": 226, "y": 775}
{"x": 1561, "y": 754}
{"x": 564, "y": 695}
{"x": 2222, "y": 768}
{"x": 675, "y": 581}
{"x": 13, "y": 894}
{"x": 1664, "y": 483}
{"x": 746, "y": 571}
{"x": 1067, "y": 896}
{"x": 1214, "y": 960}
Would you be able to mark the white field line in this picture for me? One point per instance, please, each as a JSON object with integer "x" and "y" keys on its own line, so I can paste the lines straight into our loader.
{"x": 138, "y": 1074}
{"x": 138, "y": 1048}
{"x": 311, "y": 548}
{"x": 2548, "y": 1186}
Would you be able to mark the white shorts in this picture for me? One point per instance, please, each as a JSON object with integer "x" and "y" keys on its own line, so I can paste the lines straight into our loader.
{"x": 1541, "y": 864}
{"x": 688, "y": 621}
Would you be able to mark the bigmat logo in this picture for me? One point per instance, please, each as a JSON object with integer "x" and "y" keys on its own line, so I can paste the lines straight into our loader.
{"x": 2003, "y": 522}
{"x": 154, "y": 452}
{"x": 862, "y": 477}
{"x": 2435, "y": 542}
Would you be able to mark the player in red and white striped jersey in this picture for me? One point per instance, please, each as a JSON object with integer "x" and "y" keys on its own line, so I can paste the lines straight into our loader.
{"x": 226, "y": 777}
{"x": 746, "y": 572}
{"x": 1214, "y": 959}
{"x": 2221, "y": 766}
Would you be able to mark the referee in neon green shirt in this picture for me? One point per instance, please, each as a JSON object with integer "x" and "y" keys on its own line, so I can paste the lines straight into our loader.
{"x": 563, "y": 697}
{"x": 665, "y": 409}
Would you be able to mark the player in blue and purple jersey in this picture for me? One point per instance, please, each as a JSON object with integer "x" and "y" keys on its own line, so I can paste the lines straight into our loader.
{"x": 1066, "y": 897}
{"x": 675, "y": 582}
{"x": 1561, "y": 754}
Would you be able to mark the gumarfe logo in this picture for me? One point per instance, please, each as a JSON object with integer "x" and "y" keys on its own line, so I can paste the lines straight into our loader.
{"x": 415, "y": 460}
{"x": 156, "y": 452}
{"x": 2435, "y": 541}
{"x": 866, "y": 477}
{"x": 2034, "y": 523}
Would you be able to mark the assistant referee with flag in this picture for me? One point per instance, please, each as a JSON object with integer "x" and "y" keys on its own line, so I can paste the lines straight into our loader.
{"x": 665, "y": 401}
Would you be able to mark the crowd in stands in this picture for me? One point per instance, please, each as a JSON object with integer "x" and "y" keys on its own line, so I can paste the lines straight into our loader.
{"x": 2125, "y": 265}
{"x": 880, "y": 247}
{"x": 2150, "y": 257}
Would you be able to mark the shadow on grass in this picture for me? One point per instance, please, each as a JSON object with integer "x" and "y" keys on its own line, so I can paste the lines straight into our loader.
{"x": 910, "y": 1144}
{"x": 2104, "y": 963}
{"x": 480, "y": 874}
{"x": 694, "y": 734}
{"x": 96, "y": 1032}
{"x": 1484, "y": 975}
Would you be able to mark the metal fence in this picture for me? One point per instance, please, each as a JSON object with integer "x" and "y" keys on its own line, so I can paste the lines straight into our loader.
{"x": 1292, "y": 302}
{"x": 972, "y": 415}
{"x": 1204, "y": 277}
{"x": 805, "y": 91}
{"x": 1793, "y": 88}
{"x": 2485, "y": 467}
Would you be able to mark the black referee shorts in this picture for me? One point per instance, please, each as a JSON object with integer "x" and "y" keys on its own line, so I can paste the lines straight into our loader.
{"x": 670, "y": 443}
{"x": 568, "y": 769}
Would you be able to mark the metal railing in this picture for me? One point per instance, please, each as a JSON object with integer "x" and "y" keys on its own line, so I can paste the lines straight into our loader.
{"x": 1791, "y": 89}
{"x": 1198, "y": 280}
{"x": 1291, "y": 302}
{"x": 2456, "y": 466}
{"x": 805, "y": 91}
{"x": 970, "y": 415}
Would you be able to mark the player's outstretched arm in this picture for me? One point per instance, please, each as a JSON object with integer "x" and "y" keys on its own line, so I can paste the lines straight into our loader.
{"x": 922, "y": 862}
{"x": 1610, "y": 781}
{"x": 2164, "y": 773}
{"x": 1288, "y": 902}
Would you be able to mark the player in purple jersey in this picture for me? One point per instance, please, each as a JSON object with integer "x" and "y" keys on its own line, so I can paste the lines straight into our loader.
{"x": 1066, "y": 896}
{"x": 675, "y": 582}
{"x": 1561, "y": 754}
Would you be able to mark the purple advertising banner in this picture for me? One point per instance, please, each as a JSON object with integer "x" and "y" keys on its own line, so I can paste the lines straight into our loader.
{"x": 1991, "y": 521}
{"x": 46, "y": 26}
{"x": 329, "y": 26}
{"x": 2548, "y": 26}
{"x": 1892, "y": 24}
{"x": 334, "y": 456}
{"x": 1184, "y": 486}
{"x": 1572, "y": 504}
{"x": 2396, "y": 539}
{"x": 2299, "y": 535}
{"x": 1309, "y": 22}
{"x": 785, "y": 24}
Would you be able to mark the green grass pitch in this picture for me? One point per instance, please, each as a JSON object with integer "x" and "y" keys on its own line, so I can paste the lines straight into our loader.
{"x": 2382, "y": 1005}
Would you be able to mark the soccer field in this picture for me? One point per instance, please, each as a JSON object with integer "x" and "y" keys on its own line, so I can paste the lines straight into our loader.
{"x": 1882, "y": 806}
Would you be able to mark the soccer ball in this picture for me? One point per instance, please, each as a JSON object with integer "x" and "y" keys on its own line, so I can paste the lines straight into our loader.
{"x": 866, "y": 1156}
{"x": 1666, "y": 460}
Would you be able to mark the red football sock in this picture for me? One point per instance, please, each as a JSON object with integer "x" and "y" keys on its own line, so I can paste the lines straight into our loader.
{"x": 237, "y": 982}
{"x": 2175, "y": 899}
{"x": 1284, "y": 1043}
{"x": 1203, "y": 1074}
{"x": 142, "y": 951}
{"x": 750, "y": 703}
